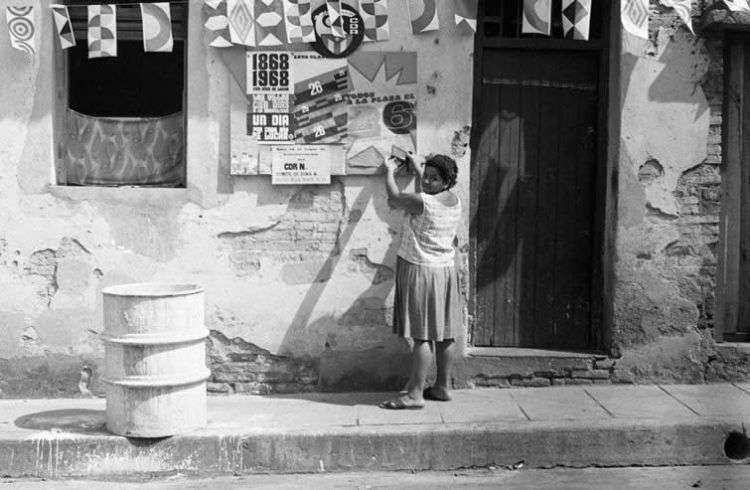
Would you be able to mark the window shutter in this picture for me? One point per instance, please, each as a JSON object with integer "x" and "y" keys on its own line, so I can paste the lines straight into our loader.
{"x": 128, "y": 19}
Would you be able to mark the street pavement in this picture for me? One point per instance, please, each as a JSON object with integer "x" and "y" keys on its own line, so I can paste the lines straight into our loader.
{"x": 663, "y": 478}
{"x": 577, "y": 426}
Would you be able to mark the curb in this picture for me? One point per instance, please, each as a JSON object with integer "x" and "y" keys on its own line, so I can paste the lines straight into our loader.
{"x": 374, "y": 448}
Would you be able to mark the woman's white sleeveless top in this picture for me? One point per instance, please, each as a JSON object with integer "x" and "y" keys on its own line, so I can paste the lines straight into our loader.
{"x": 427, "y": 238}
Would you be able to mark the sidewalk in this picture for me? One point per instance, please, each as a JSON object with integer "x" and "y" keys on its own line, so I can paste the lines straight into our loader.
{"x": 571, "y": 426}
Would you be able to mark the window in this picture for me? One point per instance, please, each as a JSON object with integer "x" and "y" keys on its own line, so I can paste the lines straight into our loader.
{"x": 122, "y": 117}
{"x": 504, "y": 19}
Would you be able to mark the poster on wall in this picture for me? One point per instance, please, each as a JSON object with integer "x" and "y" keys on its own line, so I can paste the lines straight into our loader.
{"x": 381, "y": 108}
{"x": 320, "y": 107}
{"x": 303, "y": 164}
{"x": 269, "y": 72}
{"x": 269, "y": 118}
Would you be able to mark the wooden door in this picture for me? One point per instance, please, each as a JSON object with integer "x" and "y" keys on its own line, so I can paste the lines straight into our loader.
{"x": 533, "y": 193}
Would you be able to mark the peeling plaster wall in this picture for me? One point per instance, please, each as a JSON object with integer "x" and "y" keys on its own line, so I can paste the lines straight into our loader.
{"x": 668, "y": 203}
{"x": 297, "y": 279}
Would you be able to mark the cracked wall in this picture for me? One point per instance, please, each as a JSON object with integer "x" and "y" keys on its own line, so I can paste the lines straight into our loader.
{"x": 669, "y": 201}
{"x": 298, "y": 280}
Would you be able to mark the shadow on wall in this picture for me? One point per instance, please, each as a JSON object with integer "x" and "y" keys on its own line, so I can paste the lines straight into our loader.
{"x": 370, "y": 308}
{"x": 680, "y": 71}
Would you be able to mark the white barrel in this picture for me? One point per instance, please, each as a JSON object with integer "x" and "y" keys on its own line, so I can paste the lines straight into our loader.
{"x": 154, "y": 359}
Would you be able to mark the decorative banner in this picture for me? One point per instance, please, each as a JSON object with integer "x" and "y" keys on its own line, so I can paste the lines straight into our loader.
{"x": 320, "y": 113}
{"x": 130, "y": 151}
{"x": 375, "y": 19}
{"x": 21, "y": 28}
{"x": 303, "y": 164}
{"x": 157, "y": 27}
{"x": 424, "y": 16}
{"x": 64, "y": 27}
{"x": 634, "y": 15}
{"x": 269, "y": 72}
{"x": 576, "y": 19}
{"x": 269, "y": 23}
{"x": 466, "y": 14}
{"x": 336, "y": 19}
{"x": 241, "y": 22}
{"x": 737, "y": 5}
{"x": 682, "y": 8}
{"x": 537, "y": 17}
{"x": 331, "y": 46}
{"x": 217, "y": 23}
{"x": 269, "y": 118}
{"x": 382, "y": 108}
{"x": 299, "y": 24}
{"x": 102, "y": 31}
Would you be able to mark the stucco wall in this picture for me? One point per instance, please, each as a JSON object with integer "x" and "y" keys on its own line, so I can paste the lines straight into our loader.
{"x": 298, "y": 280}
{"x": 668, "y": 207}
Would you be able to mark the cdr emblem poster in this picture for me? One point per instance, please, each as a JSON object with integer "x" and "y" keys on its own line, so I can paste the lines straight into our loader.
{"x": 382, "y": 108}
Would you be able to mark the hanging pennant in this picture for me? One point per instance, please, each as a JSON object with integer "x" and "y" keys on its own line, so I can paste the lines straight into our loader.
{"x": 21, "y": 28}
{"x": 466, "y": 14}
{"x": 634, "y": 16}
{"x": 269, "y": 23}
{"x": 375, "y": 18}
{"x": 157, "y": 27}
{"x": 299, "y": 24}
{"x": 336, "y": 18}
{"x": 576, "y": 19}
{"x": 102, "y": 31}
{"x": 537, "y": 17}
{"x": 217, "y": 23}
{"x": 424, "y": 17}
{"x": 682, "y": 8}
{"x": 241, "y": 22}
{"x": 64, "y": 27}
{"x": 737, "y": 5}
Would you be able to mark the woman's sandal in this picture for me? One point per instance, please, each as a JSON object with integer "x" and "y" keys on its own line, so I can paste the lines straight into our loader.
{"x": 428, "y": 394}
{"x": 401, "y": 403}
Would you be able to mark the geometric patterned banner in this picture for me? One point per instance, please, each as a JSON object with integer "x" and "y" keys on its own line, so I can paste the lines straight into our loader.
{"x": 269, "y": 23}
{"x": 157, "y": 27}
{"x": 634, "y": 17}
{"x": 335, "y": 18}
{"x": 537, "y": 17}
{"x": 299, "y": 25}
{"x": 375, "y": 17}
{"x": 241, "y": 22}
{"x": 576, "y": 19}
{"x": 102, "y": 31}
{"x": 682, "y": 8}
{"x": 466, "y": 14}
{"x": 63, "y": 25}
{"x": 217, "y": 23}
{"x": 21, "y": 28}
{"x": 424, "y": 16}
{"x": 737, "y": 5}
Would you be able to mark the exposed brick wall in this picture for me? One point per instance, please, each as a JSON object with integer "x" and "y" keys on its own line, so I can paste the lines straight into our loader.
{"x": 596, "y": 369}
{"x": 238, "y": 366}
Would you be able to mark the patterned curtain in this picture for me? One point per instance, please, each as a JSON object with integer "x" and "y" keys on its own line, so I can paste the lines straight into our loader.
{"x": 113, "y": 151}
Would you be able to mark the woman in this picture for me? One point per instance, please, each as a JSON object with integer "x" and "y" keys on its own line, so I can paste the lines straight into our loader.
{"x": 426, "y": 306}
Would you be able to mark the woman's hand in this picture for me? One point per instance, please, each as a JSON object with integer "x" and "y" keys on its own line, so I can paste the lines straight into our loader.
{"x": 391, "y": 164}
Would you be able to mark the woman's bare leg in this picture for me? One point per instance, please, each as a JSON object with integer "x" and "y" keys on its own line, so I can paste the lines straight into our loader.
{"x": 420, "y": 367}
{"x": 445, "y": 353}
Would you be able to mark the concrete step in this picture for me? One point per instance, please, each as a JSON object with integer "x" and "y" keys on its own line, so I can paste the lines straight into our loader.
{"x": 562, "y": 426}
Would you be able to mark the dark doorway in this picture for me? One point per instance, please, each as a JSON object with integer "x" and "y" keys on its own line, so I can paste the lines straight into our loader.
{"x": 538, "y": 156}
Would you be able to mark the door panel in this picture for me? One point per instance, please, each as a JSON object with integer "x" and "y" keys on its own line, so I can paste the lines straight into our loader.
{"x": 535, "y": 160}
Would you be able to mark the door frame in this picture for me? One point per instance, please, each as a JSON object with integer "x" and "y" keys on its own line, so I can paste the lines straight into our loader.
{"x": 603, "y": 228}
